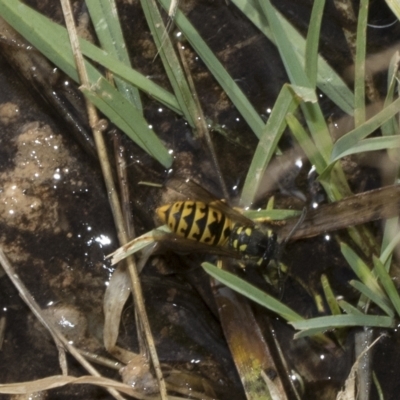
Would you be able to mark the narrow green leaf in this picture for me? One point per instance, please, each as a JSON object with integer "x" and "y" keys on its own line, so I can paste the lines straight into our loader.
{"x": 373, "y": 144}
{"x": 104, "y": 16}
{"x": 391, "y": 127}
{"x": 232, "y": 90}
{"x": 266, "y": 147}
{"x": 172, "y": 66}
{"x": 312, "y": 41}
{"x": 371, "y": 295}
{"x": 390, "y": 247}
{"x": 387, "y": 284}
{"x": 251, "y": 292}
{"x": 359, "y": 67}
{"x": 52, "y": 40}
{"x": 306, "y": 143}
{"x": 328, "y": 80}
{"x": 378, "y": 386}
{"x": 292, "y": 64}
{"x": 336, "y": 321}
{"x": 353, "y": 137}
{"x": 330, "y": 297}
{"x": 110, "y": 102}
{"x": 361, "y": 270}
{"x": 308, "y": 332}
{"x": 312, "y": 111}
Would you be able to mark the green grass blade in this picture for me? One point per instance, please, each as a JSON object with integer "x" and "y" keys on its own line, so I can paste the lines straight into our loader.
{"x": 379, "y": 301}
{"x": 104, "y": 16}
{"x": 361, "y": 270}
{"x": 111, "y": 103}
{"x": 390, "y": 247}
{"x": 373, "y": 144}
{"x": 56, "y": 46}
{"x": 330, "y": 297}
{"x": 391, "y": 127}
{"x": 172, "y": 66}
{"x": 292, "y": 64}
{"x": 131, "y": 75}
{"x": 328, "y": 80}
{"x": 308, "y": 332}
{"x": 336, "y": 321}
{"x": 312, "y": 112}
{"x": 387, "y": 284}
{"x": 306, "y": 143}
{"x": 359, "y": 68}
{"x": 312, "y": 42}
{"x": 232, "y": 90}
{"x": 52, "y": 40}
{"x": 251, "y": 292}
{"x": 378, "y": 386}
{"x": 266, "y": 147}
{"x": 353, "y": 137}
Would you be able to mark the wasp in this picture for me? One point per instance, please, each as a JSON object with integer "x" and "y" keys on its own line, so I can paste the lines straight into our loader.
{"x": 211, "y": 225}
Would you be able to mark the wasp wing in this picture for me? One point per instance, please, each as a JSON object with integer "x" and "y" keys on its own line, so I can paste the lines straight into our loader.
{"x": 194, "y": 191}
{"x": 181, "y": 245}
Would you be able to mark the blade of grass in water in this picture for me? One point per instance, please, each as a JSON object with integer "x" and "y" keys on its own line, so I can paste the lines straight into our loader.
{"x": 373, "y": 144}
{"x": 372, "y": 296}
{"x": 328, "y": 80}
{"x": 312, "y": 41}
{"x": 335, "y": 321}
{"x": 351, "y": 139}
{"x": 55, "y": 45}
{"x": 330, "y": 297}
{"x": 51, "y": 39}
{"x": 361, "y": 270}
{"x": 251, "y": 292}
{"x": 170, "y": 60}
{"x": 306, "y": 143}
{"x": 121, "y": 112}
{"x": 219, "y": 72}
{"x": 390, "y": 128}
{"x": 359, "y": 68}
{"x": 312, "y": 112}
{"x": 388, "y": 284}
{"x": 104, "y": 16}
{"x": 266, "y": 147}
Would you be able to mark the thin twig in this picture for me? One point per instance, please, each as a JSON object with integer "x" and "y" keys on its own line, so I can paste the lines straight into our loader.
{"x": 119, "y": 154}
{"x": 58, "y": 337}
{"x": 113, "y": 196}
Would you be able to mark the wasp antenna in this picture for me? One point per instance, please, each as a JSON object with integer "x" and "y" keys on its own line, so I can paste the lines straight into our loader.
{"x": 280, "y": 251}
{"x": 298, "y": 223}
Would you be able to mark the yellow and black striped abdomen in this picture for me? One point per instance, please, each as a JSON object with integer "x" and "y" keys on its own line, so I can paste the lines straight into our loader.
{"x": 198, "y": 221}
